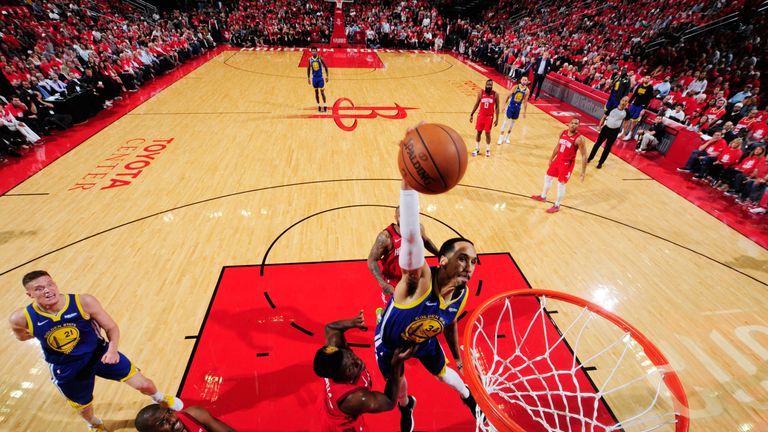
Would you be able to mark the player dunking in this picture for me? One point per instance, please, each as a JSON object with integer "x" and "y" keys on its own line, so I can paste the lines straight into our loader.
{"x": 517, "y": 98}
{"x": 426, "y": 303}
{"x": 68, "y": 327}
{"x": 315, "y": 69}
{"x": 562, "y": 161}
{"x": 348, "y": 385}
{"x": 383, "y": 258}
{"x": 488, "y": 117}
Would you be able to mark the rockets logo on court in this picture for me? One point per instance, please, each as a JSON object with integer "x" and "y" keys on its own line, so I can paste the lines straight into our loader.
{"x": 63, "y": 338}
{"x": 423, "y": 328}
{"x": 345, "y": 114}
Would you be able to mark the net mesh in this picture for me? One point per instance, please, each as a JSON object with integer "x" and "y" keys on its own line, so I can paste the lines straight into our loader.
{"x": 539, "y": 372}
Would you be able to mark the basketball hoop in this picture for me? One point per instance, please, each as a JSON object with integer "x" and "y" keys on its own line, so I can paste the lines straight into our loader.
{"x": 548, "y": 361}
{"x": 339, "y": 3}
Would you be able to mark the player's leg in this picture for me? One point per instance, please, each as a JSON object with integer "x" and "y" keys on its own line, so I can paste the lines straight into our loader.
{"x": 79, "y": 394}
{"x": 325, "y": 106}
{"x": 563, "y": 176}
{"x": 405, "y": 403}
{"x": 127, "y": 372}
{"x": 432, "y": 357}
{"x": 477, "y": 139}
{"x": 317, "y": 98}
{"x": 488, "y": 141}
{"x": 503, "y": 129}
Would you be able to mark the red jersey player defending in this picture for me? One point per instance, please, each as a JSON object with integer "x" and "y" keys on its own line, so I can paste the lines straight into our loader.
{"x": 488, "y": 101}
{"x": 155, "y": 418}
{"x": 562, "y": 161}
{"x": 383, "y": 259}
{"x": 348, "y": 386}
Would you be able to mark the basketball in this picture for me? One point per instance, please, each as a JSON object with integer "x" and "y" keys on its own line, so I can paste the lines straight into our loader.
{"x": 432, "y": 158}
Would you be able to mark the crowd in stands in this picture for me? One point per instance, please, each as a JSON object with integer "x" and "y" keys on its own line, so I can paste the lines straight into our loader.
{"x": 280, "y": 22}
{"x": 64, "y": 61}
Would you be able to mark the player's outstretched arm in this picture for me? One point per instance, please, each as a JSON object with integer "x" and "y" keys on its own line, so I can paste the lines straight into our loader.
{"x": 370, "y": 402}
{"x": 380, "y": 247}
{"x": 19, "y": 327}
{"x": 211, "y": 423}
{"x": 334, "y": 332}
{"x": 92, "y": 307}
{"x": 416, "y": 273}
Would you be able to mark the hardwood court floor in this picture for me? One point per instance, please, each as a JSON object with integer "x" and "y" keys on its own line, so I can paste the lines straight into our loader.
{"x": 213, "y": 169}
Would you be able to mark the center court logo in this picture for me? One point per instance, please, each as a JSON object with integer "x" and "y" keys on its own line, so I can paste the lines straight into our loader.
{"x": 345, "y": 114}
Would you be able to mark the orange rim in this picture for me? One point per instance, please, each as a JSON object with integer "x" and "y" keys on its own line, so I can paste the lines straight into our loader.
{"x": 502, "y": 421}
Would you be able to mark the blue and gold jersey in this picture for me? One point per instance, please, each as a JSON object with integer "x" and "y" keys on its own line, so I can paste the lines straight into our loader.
{"x": 518, "y": 96}
{"x": 417, "y": 322}
{"x": 68, "y": 336}
{"x": 316, "y": 65}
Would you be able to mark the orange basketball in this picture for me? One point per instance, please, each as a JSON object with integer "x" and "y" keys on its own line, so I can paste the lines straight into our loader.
{"x": 432, "y": 158}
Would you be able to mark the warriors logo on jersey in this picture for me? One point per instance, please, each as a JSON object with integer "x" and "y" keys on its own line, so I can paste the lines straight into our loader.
{"x": 63, "y": 338}
{"x": 423, "y": 328}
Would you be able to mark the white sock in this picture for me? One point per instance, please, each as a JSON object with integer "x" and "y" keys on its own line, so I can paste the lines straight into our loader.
{"x": 453, "y": 379}
{"x": 488, "y": 147}
{"x": 501, "y": 135}
{"x": 560, "y": 192}
{"x": 477, "y": 146}
{"x": 547, "y": 185}
{"x": 158, "y": 397}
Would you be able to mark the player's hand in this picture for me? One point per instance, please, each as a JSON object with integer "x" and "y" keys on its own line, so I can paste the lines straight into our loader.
{"x": 309, "y": 81}
{"x": 470, "y": 118}
{"x": 388, "y": 289}
{"x": 413, "y": 128}
{"x": 496, "y": 123}
{"x": 359, "y": 321}
{"x": 111, "y": 357}
{"x": 583, "y": 175}
{"x": 327, "y": 79}
{"x": 402, "y": 355}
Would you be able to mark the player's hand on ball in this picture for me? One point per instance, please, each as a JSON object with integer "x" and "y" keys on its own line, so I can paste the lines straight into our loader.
{"x": 359, "y": 321}
{"x": 111, "y": 357}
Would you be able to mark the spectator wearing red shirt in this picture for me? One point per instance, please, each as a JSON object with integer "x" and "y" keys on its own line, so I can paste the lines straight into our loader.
{"x": 706, "y": 153}
{"x": 727, "y": 159}
{"x": 743, "y": 172}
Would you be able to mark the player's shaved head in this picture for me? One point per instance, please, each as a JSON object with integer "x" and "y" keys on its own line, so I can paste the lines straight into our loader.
{"x": 147, "y": 418}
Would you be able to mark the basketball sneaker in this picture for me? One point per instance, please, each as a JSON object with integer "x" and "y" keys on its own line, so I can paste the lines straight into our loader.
{"x": 172, "y": 402}
{"x": 538, "y": 198}
{"x": 99, "y": 427}
{"x": 507, "y": 141}
{"x": 554, "y": 209}
{"x": 406, "y": 415}
{"x": 487, "y": 153}
{"x": 471, "y": 404}
{"x": 475, "y": 152}
{"x": 500, "y": 140}
{"x": 757, "y": 210}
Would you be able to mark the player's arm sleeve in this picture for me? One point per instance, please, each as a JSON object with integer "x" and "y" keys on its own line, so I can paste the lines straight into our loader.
{"x": 412, "y": 246}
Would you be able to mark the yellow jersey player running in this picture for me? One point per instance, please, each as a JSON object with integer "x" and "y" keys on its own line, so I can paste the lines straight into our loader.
{"x": 315, "y": 68}
{"x": 68, "y": 327}
{"x": 426, "y": 303}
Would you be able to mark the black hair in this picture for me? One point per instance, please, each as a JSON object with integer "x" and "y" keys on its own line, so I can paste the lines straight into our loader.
{"x": 143, "y": 421}
{"x": 328, "y": 360}
{"x": 29, "y": 277}
{"x": 449, "y": 246}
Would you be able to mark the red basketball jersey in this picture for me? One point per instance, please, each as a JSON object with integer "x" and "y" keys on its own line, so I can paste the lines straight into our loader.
{"x": 487, "y": 104}
{"x": 190, "y": 423}
{"x": 335, "y": 419}
{"x": 390, "y": 263}
{"x": 568, "y": 148}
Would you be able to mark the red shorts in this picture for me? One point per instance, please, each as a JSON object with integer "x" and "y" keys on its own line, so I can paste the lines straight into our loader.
{"x": 561, "y": 170}
{"x": 484, "y": 123}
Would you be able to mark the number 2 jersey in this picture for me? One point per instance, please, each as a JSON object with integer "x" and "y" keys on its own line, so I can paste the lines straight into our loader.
{"x": 68, "y": 337}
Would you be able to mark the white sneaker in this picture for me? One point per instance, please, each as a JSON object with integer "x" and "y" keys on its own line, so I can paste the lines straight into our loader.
{"x": 475, "y": 152}
{"x": 757, "y": 210}
{"x": 626, "y": 137}
{"x": 487, "y": 153}
{"x": 500, "y": 140}
{"x": 507, "y": 141}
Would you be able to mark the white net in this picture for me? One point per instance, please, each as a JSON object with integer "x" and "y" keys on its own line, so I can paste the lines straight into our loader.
{"x": 580, "y": 372}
